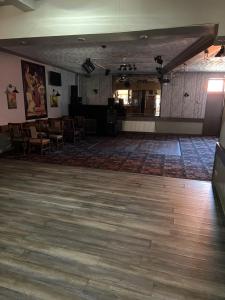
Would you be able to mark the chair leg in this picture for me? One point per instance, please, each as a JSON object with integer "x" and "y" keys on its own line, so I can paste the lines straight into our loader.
{"x": 29, "y": 148}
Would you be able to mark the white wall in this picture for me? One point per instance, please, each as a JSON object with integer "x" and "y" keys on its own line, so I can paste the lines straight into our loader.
{"x": 67, "y": 17}
{"x": 10, "y": 73}
{"x": 175, "y": 105}
{"x": 101, "y": 83}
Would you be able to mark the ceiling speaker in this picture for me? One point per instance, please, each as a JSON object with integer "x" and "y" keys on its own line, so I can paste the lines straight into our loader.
{"x": 88, "y": 66}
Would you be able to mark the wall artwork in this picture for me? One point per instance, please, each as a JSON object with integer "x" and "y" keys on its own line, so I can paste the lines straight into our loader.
{"x": 34, "y": 86}
{"x": 54, "y": 99}
{"x": 11, "y": 92}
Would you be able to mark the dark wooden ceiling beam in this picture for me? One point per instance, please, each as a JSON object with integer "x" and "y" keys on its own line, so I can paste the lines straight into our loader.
{"x": 200, "y": 45}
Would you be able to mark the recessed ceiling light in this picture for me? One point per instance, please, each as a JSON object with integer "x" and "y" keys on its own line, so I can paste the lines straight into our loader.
{"x": 143, "y": 37}
{"x": 81, "y": 39}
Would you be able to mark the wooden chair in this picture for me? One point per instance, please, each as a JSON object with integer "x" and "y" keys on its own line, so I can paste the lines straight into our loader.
{"x": 70, "y": 131}
{"x": 80, "y": 124}
{"x": 37, "y": 141}
{"x": 55, "y": 126}
{"x": 56, "y": 132}
{"x": 18, "y": 137}
{"x": 91, "y": 126}
{"x": 42, "y": 127}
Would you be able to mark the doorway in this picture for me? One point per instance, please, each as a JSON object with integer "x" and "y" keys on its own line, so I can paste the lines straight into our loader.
{"x": 214, "y": 107}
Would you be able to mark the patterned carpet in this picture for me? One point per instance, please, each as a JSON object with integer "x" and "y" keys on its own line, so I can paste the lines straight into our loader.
{"x": 173, "y": 156}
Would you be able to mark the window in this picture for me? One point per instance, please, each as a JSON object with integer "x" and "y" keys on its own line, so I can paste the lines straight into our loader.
{"x": 216, "y": 85}
{"x": 125, "y": 95}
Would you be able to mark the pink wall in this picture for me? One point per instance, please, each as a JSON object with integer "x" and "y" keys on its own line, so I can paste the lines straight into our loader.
{"x": 10, "y": 73}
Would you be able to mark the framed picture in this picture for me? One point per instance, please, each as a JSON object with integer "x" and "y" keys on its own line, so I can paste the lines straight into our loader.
{"x": 34, "y": 86}
{"x": 53, "y": 101}
{"x": 11, "y": 99}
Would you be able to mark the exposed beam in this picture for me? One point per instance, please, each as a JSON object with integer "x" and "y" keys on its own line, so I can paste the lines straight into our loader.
{"x": 24, "y": 5}
{"x": 200, "y": 45}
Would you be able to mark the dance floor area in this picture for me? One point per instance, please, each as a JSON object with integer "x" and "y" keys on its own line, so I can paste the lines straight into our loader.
{"x": 164, "y": 155}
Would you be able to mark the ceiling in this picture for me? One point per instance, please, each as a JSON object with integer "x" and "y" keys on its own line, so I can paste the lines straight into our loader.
{"x": 67, "y": 17}
{"x": 24, "y": 5}
{"x": 139, "y": 48}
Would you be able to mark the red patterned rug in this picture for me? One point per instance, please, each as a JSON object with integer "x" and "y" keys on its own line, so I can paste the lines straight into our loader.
{"x": 173, "y": 156}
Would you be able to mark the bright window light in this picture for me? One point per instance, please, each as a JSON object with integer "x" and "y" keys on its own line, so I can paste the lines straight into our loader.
{"x": 125, "y": 95}
{"x": 216, "y": 85}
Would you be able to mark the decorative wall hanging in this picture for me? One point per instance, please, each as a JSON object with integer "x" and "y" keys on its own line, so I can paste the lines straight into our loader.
{"x": 34, "y": 86}
{"x": 11, "y": 92}
{"x": 54, "y": 98}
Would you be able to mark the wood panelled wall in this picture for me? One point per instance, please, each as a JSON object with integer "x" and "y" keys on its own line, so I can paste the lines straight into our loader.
{"x": 100, "y": 83}
{"x": 175, "y": 104}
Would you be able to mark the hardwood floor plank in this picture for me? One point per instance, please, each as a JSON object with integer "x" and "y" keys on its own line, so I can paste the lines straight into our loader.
{"x": 76, "y": 233}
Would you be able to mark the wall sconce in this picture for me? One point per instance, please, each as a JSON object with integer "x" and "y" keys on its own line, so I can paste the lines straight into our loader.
{"x": 11, "y": 89}
{"x": 56, "y": 93}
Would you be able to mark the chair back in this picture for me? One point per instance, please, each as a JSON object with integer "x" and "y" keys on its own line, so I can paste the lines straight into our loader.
{"x": 68, "y": 124}
{"x": 56, "y": 125}
{"x": 16, "y": 130}
{"x": 42, "y": 125}
{"x": 80, "y": 121}
{"x": 33, "y": 132}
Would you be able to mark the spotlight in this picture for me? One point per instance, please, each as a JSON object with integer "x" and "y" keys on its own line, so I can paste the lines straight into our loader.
{"x": 163, "y": 80}
{"x": 159, "y": 70}
{"x": 158, "y": 59}
{"x": 221, "y": 52}
{"x": 123, "y": 77}
{"x": 107, "y": 72}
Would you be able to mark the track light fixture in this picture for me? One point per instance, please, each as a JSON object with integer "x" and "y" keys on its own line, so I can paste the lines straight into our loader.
{"x": 127, "y": 67}
{"x": 221, "y": 52}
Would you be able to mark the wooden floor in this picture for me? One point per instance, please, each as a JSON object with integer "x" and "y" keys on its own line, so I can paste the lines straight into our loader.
{"x": 72, "y": 233}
